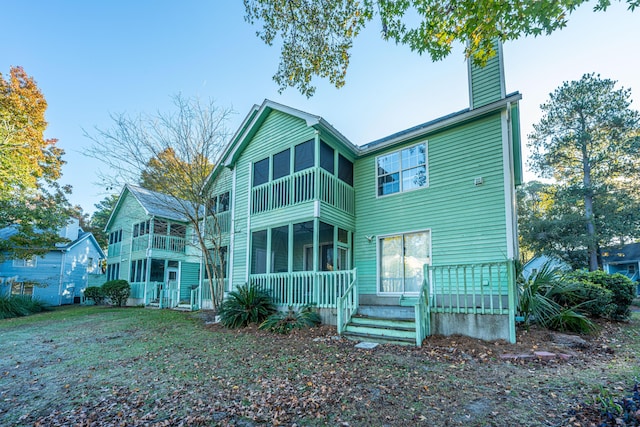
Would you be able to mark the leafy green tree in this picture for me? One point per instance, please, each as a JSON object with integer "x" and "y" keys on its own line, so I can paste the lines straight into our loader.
{"x": 588, "y": 141}
{"x": 31, "y": 200}
{"x": 317, "y": 36}
{"x": 100, "y": 217}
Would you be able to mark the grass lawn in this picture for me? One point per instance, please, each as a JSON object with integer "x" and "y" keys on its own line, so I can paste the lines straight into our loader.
{"x": 132, "y": 366}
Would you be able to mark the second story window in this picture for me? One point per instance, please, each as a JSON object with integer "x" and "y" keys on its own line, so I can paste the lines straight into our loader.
{"x": 115, "y": 237}
{"x": 141, "y": 228}
{"x": 402, "y": 170}
{"x": 281, "y": 164}
{"x": 345, "y": 170}
{"x": 326, "y": 157}
{"x": 218, "y": 203}
{"x": 304, "y": 156}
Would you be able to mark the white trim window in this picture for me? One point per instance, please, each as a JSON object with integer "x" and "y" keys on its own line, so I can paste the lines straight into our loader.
{"x": 26, "y": 262}
{"x": 401, "y": 260}
{"x": 402, "y": 170}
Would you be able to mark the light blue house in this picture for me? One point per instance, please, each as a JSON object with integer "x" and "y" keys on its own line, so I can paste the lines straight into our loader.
{"x": 624, "y": 260}
{"x": 61, "y": 275}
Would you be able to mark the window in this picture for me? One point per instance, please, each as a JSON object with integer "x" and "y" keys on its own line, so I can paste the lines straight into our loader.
{"x": 178, "y": 230}
{"x": 26, "y": 262}
{"x": 282, "y": 164}
{"x": 403, "y": 170}
{"x": 401, "y": 261}
{"x": 115, "y": 237}
{"x": 141, "y": 228}
{"x": 261, "y": 172}
{"x": 113, "y": 271}
{"x": 138, "y": 271}
{"x": 326, "y": 157}
{"x": 218, "y": 203}
{"x": 345, "y": 170}
{"x": 160, "y": 226}
{"x": 631, "y": 269}
{"x": 259, "y": 252}
{"x": 304, "y": 156}
{"x": 22, "y": 288}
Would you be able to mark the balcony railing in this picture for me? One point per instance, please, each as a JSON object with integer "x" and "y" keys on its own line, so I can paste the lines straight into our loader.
{"x": 320, "y": 289}
{"x": 114, "y": 249}
{"x": 300, "y": 187}
{"x": 224, "y": 222}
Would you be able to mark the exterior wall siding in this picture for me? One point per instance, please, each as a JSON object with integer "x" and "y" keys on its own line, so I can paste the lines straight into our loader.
{"x": 188, "y": 279}
{"x": 467, "y": 222}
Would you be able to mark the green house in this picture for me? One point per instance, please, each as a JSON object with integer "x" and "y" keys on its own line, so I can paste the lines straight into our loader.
{"x": 409, "y": 235}
{"x": 149, "y": 246}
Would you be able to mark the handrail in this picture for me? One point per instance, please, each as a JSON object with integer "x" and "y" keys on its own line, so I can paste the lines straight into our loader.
{"x": 422, "y": 310}
{"x": 347, "y": 304}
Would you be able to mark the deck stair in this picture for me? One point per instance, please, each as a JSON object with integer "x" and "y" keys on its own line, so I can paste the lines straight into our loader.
{"x": 383, "y": 324}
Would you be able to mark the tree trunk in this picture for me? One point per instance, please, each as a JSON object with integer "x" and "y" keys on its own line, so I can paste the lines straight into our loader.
{"x": 592, "y": 246}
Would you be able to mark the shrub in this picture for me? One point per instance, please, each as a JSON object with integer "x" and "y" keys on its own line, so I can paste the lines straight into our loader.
{"x": 18, "y": 305}
{"x": 247, "y": 304}
{"x": 117, "y": 291}
{"x": 284, "y": 322}
{"x": 541, "y": 301}
{"x": 589, "y": 298}
{"x": 95, "y": 294}
{"x": 623, "y": 290}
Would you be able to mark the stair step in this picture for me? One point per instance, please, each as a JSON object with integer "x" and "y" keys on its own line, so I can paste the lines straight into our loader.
{"x": 387, "y": 311}
{"x": 381, "y": 331}
{"x": 356, "y": 336}
{"x": 383, "y": 322}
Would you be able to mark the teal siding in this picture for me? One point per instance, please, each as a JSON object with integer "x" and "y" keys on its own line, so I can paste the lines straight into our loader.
{"x": 188, "y": 279}
{"x": 467, "y": 222}
{"x": 486, "y": 82}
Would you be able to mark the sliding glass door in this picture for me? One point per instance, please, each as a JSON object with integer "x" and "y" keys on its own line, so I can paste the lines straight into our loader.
{"x": 401, "y": 262}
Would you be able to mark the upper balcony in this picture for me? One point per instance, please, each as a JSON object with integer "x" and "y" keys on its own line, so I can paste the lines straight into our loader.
{"x": 300, "y": 187}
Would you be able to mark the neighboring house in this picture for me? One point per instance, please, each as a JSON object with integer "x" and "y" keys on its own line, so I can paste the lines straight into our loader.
{"x": 150, "y": 246}
{"x": 418, "y": 225}
{"x": 535, "y": 264}
{"x": 624, "y": 260}
{"x": 61, "y": 275}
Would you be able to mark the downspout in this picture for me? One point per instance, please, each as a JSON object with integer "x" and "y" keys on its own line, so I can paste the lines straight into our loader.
{"x": 63, "y": 257}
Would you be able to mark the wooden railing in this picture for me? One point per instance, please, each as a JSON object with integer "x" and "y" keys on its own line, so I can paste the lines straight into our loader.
{"x": 471, "y": 288}
{"x": 114, "y": 249}
{"x": 224, "y": 222}
{"x": 423, "y": 313}
{"x": 320, "y": 289}
{"x": 168, "y": 243}
{"x": 309, "y": 184}
{"x": 347, "y": 304}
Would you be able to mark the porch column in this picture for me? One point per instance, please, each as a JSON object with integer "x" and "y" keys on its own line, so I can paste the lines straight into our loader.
{"x": 316, "y": 255}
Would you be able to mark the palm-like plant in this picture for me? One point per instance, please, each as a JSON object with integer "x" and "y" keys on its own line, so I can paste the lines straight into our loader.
{"x": 538, "y": 301}
{"x": 247, "y": 304}
{"x": 285, "y": 322}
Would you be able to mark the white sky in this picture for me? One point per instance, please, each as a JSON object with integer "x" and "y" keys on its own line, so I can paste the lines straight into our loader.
{"x": 98, "y": 58}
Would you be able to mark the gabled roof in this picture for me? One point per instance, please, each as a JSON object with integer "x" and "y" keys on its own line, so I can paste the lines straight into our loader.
{"x": 620, "y": 254}
{"x": 256, "y": 117}
{"x": 154, "y": 204}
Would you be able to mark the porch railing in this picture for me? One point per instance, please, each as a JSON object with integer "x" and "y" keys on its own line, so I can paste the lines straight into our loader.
{"x": 320, "y": 289}
{"x": 224, "y": 222}
{"x": 309, "y": 184}
{"x": 169, "y": 296}
{"x": 347, "y": 304}
{"x": 159, "y": 241}
{"x": 485, "y": 288}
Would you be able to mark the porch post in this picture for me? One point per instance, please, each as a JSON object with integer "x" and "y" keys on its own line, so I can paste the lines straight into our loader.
{"x": 316, "y": 255}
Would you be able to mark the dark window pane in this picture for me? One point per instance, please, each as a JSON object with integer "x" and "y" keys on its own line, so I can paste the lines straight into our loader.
{"x": 260, "y": 172}
{"x": 157, "y": 270}
{"x": 326, "y": 157}
{"x": 178, "y": 230}
{"x": 343, "y": 236}
{"x": 345, "y": 170}
{"x": 304, "y": 156}
{"x": 223, "y": 203}
{"x": 280, "y": 249}
{"x": 135, "y": 230}
{"x": 388, "y": 184}
{"x": 259, "y": 252}
{"x": 211, "y": 206}
{"x": 282, "y": 164}
{"x": 303, "y": 246}
{"x": 159, "y": 226}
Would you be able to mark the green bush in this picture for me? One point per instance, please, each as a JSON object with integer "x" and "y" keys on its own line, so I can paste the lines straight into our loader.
{"x": 247, "y": 304}
{"x": 623, "y": 290}
{"x": 18, "y": 305}
{"x": 95, "y": 294}
{"x": 589, "y": 298}
{"x": 117, "y": 291}
{"x": 284, "y": 322}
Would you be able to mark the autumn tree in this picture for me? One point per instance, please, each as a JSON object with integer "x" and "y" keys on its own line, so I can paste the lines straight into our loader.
{"x": 317, "y": 36}
{"x": 173, "y": 153}
{"x": 588, "y": 141}
{"x": 31, "y": 200}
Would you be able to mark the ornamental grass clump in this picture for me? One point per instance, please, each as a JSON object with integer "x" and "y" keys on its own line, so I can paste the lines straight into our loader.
{"x": 247, "y": 304}
{"x": 19, "y": 305}
{"x": 284, "y": 322}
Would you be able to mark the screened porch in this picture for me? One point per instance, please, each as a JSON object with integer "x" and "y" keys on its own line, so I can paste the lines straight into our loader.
{"x": 305, "y": 263}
